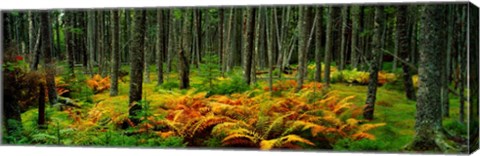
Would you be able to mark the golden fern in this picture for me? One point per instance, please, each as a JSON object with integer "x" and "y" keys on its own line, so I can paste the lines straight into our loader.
{"x": 279, "y": 142}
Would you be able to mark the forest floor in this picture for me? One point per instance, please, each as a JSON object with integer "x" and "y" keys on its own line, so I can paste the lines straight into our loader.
{"x": 102, "y": 120}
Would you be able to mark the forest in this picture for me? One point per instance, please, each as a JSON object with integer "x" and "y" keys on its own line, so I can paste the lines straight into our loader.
{"x": 351, "y": 77}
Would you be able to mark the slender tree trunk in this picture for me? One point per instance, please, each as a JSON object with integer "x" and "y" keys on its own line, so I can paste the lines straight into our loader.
{"x": 304, "y": 26}
{"x": 136, "y": 65}
{"x": 160, "y": 46}
{"x": 41, "y": 106}
{"x": 355, "y": 31}
{"x": 221, "y": 37}
{"x": 446, "y": 78}
{"x": 69, "y": 40}
{"x": 343, "y": 44}
{"x": 461, "y": 60}
{"x": 329, "y": 44}
{"x": 403, "y": 42}
{"x": 115, "y": 53}
{"x": 49, "y": 64}
{"x": 249, "y": 47}
{"x": 374, "y": 64}
{"x": 90, "y": 38}
{"x": 36, "y": 51}
{"x": 184, "y": 66}
{"x": 318, "y": 44}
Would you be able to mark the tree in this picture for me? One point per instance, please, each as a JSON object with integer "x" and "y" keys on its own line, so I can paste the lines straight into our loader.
{"x": 429, "y": 133}
{"x": 375, "y": 58}
{"x": 343, "y": 44}
{"x": 69, "y": 40}
{"x": 403, "y": 50}
{"x": 184, "y": 66}
{"x": 305, "y": 24}
{"x": 136, "y": 64}
{"x": 90, "y": 40}
{"x": 160, "y": 46}
{"x": 329, "y": 44}
{"x": 355, "y": 11}
{"x": 249, "y": 45}
{"x": 47, "y": 53}
{"x": 318, "y": 44}
{"x": 115, "y": 54}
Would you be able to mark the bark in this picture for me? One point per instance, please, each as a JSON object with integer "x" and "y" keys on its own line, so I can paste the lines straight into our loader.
{"x": 115, "y": 58}
{"x": 403, "y": 50}
{"x": 304, "y": 25}
{"x": 90, "y": 40}
{"x": 37, "y": 52}
{"x": 41, "y": 106}
{"x": 183, "y": 63}
{"x": 136, "y": 65}
{"x": 473, "y": 115}
{"x": 343, "y": 44}
{"x": 461, "y": 60}
{"x": 329, "y": 45}
{"x": 221, "y": 37}
{"x": 49, "y": 64}
{"x": 429, "y": 134}
{"x": 446, "y": 78}
{"x": 374, "y": 64}
{"x": 355, "y": 31}
{"x": 160, "y": 46}
{"x": 249, "y": 47}
{"x": 318, "y": 44}
{"x": 269, "y": 32}
{"x": 69, "y": 40}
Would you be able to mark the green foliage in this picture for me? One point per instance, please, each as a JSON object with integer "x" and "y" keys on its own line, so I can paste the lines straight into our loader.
{"x": 172, "y": 142}
{"x": 209, "y": 70}
{"x": 456, "y": 127}
{"x": 235, "y": 85}
{"x": 168, "y": 85}
{"x": 360, "y": 145}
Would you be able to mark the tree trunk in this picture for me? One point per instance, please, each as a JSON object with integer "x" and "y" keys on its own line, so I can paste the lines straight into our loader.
{"x": 160, "y": 46}
{"x": 403, "y": 46}
{"x": 221, "y": 37}
{"x": 329, "y": 45}
{"x": 249, "y": 47}
{"x": 304, "y": 26}
{"x": 115, "y": 53}
{"x": 41, "y": 106}
{"x": 90, "y": 38}
{"x": 374, "y": 63}
{"x": 343, "y": 44}
{"x": 69, "y": 40}
{"x": 49, "y": 64}
{"x": 136, "y": 65}
{"x": 355, "y": 31}
{"x": 429, "y": 134}
{"x": 184, "y": 66}
{"x": 318, "y": 44}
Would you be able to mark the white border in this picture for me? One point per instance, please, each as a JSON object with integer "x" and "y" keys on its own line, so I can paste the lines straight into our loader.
{"x": 56, "y": 4}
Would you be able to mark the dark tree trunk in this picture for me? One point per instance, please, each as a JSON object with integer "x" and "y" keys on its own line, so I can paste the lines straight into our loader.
{"x": 69, "y": 40}
{"x": 249, "y": 44}
{"x": 41, "y": 106}
{"x": 403, "y": 50}
{"x": 374, "y": 63}
{"x": 136, "y": 65}
{"x": 160, "y": 46}
{"x": 183, "y": 64}
{"x": 49, "y": 64}
{"x": 221, "y": 37}
{"x": 318, "y": 44}
{"x": 115, "y": 53}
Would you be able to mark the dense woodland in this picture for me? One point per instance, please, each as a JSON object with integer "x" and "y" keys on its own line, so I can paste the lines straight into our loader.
{"x": 396, "y": 77}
